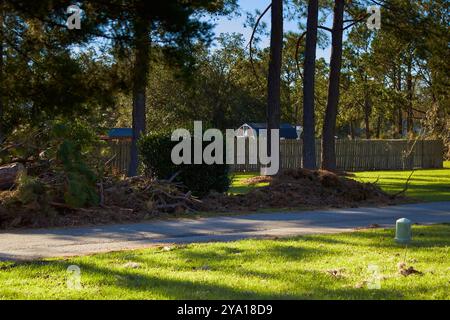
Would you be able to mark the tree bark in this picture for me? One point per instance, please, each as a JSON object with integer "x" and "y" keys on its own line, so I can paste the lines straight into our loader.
{"x": 140, "y": 79}
{"x": 274, "y": 76}
{"x": 409, "y": 89}
{"x": 329, "y": 126}
{"x": 352, "y": 130}
{"x": 367, "y": 113}
{"x": 399, "y": 108}
{"x": 309, "y": 144}
{"x": 377, "y": 135}
{"x": 2, "y": 133}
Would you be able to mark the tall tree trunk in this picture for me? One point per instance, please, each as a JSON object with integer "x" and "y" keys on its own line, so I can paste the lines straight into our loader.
{"x": 309, "y": 144}
{"x": 409, "y": 89}
{"x": 367, "y": 113}
{"x": 274, "y": 77}
{"x": 378, "y": 132}
{"x": 352, "y": 130}
{"x": 399, "y": 108}
{"x": 329, "y": 125}
{"x": 2, "y": 133}
{"x": 290, "y": 106}
{"x": 296, "y": 106}
{"x": 140, "y": 79}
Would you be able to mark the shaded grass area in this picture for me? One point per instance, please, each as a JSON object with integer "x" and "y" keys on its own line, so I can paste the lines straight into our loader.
{"x": 307, "y": 267}
{"x": 425, "y": 185}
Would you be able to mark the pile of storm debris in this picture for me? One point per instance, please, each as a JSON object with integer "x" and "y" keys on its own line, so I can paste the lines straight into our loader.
{"x": 41, "y": 200}
{"x": 300, "y": 188}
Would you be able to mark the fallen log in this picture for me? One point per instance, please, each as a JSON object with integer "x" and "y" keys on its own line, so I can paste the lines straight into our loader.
{"x": 9, "y": 173}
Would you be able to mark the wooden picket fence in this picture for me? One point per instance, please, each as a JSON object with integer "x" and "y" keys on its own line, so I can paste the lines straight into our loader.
{"x": 351, "y": 155}
{"x": 362, "y": 155}
{"x": 119, "y": 155}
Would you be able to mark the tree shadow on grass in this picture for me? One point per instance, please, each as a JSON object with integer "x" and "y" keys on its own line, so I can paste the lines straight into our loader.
{"x": 141, "y": 283}
{"x": 228, "y": 276}
{"x": 384, "y": 238}
{"x": 171, "y": 288}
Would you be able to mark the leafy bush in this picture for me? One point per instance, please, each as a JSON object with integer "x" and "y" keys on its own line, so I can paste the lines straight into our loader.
{"x": 30, "y": 189}
{"x": 72, "y": 143}
{"x": 155, "y": 150}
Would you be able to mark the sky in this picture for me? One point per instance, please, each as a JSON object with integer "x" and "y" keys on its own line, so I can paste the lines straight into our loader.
{"x": 236, "y": 24}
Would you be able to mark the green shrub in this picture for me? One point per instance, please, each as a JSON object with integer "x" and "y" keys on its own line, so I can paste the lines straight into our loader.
{"x": 30, "y": 189}
{"x": 81, "y": 181}
{"x": 73, "y": 144}
{"x": 155, "y": 150}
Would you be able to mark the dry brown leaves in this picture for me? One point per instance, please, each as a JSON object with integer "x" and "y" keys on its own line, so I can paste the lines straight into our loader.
{"x": 404, "y": 270}
{"x": 302, "y": 188}
{"x": 123, "y": 200}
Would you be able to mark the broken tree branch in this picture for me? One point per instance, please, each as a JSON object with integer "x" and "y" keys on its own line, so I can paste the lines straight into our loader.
{"x": 251, "y": 41}
{"x": 356, "y": 21}
{"x": 297, "y": 47}
{"x": 405, "y": 188}
{"x": 325, "y": 28}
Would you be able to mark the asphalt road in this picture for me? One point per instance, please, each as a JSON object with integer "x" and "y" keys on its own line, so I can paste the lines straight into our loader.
{"x": 42, "y": 243}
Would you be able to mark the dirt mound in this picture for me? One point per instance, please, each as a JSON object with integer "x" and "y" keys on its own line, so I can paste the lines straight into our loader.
{"x": 302, "y": 188}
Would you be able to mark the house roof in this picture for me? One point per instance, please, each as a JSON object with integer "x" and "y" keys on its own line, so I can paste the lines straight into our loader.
{"x": 287, "y": 130}
{"x": 263, "y": 125}
{"x": 120, "y": 133}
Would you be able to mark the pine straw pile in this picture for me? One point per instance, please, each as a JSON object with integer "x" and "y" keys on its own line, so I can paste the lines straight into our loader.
{"x": 41, "y": 204}
{"x": 296, "y": 188}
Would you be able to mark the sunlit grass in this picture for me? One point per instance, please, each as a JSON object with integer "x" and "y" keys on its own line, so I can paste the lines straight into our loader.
{"x": 425, "y": 185}
{"x": 297, "y": 268}
{"x": 239, "y": 185}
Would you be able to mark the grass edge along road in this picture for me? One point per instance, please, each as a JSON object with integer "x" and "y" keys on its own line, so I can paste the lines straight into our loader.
{"x": 338, "y": 266}
{"x": 425, "y": 184}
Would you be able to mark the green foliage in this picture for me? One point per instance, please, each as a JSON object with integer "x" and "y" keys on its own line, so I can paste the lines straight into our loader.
{"x": 30, "y": 189}
{"x": 222, "y": 91}
{"x": 72, "y": 142}
{"x": 203, "y": 178}
{"x": 155, "y": 150}
{"x": 23, "y": 143}
{"x": 62, "y": 155}
{"x": 80, "y": 179}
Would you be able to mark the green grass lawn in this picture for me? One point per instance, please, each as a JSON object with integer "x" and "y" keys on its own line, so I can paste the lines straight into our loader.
{"x": 238, "y": 184}
{"x": 300, "y": 267}
{"x": 425, "y": 185}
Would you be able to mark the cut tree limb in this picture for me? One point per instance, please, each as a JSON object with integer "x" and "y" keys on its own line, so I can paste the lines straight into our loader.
{"x": 9, "y": 174}
{"x": 401, "y": 192}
